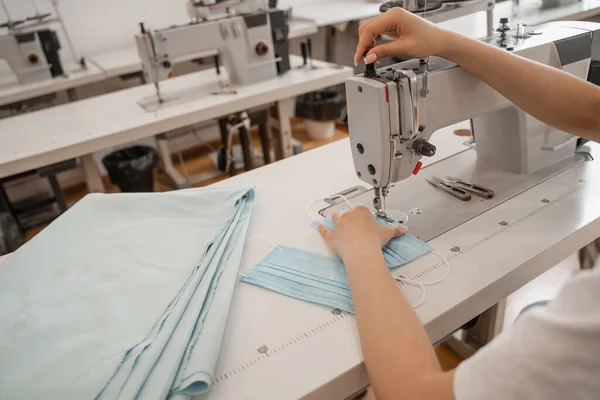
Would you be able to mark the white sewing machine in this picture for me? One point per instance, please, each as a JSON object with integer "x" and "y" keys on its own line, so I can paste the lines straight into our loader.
{"x": 411, "y": 100}
{"x": 32, "y": 56}
{"x": 250, "y": 38}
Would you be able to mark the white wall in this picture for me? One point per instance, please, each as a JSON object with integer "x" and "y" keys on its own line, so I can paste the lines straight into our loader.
{"x": 102, "y": 25}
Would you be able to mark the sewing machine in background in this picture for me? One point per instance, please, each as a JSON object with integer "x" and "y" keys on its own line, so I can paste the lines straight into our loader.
{"x": 31, "y": 47}
{"x": 438, "y": 11}
{"x": 32, "y": 56}
{"x": 392, "y": 113}
{"x": 249, "y": 37}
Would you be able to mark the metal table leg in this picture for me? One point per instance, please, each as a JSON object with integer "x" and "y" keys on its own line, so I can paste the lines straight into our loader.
{"x": 487, "y": 327}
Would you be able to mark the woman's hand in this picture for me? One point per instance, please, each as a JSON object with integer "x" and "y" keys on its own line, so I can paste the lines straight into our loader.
{"x": 416, "y": 37}
{"x": 356, "y": 231}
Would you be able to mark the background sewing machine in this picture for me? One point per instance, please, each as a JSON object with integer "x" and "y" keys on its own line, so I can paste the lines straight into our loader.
{"x": 251, "y": 40}
{"x": 31, "y": 46}
{"x": 442, "y": 10}
{"x": 409, "y": 101}
{"x": 32, "y": 56}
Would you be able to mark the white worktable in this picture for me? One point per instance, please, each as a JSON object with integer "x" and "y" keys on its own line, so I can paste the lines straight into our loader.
{"x": 11, "y": 91}
{"x": 75, "y": 129}
{"x": 126, "y": 60}
{"x": 277, "y": 347}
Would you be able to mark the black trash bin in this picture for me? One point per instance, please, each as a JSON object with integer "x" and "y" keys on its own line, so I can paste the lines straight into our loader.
{"x": 319, "y": 106}
{"x": 132, "y": 168}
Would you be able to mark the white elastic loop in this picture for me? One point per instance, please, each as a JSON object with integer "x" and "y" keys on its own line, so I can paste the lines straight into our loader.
{"x": 448, "y": 269}
{"x": 265, "y": 239}
{"x": 417, "y": 284}
{"x": 335, "y": 196}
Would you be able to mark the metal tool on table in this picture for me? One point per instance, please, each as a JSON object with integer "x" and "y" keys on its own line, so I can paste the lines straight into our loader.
{"x": 306, "y": 51}
{"x": 477, "y": 190}
{"x": 449, "y": 188}
{"x": 250, "y": 37}
{"x": 393, "y": 111}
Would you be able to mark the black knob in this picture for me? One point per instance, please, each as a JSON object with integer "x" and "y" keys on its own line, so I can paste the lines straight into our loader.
{"x": 504, "y": 20}
{"x": 142, "y": 28}
{"x": 167, "y": 64}
{"x": 423, "y": 148}
{"x": 370, "y": 71}
{"x": 344, "y": 116}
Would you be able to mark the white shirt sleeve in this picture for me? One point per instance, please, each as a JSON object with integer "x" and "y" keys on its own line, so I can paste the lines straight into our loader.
{"x": 550, "y": 353}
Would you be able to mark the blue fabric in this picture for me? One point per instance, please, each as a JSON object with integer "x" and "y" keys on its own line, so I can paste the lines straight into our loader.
{"x": 123, "y": 296}
{"x": 303, "y": 275}
{"x": 398, "y": 251}
{"x": 320, "y": 279}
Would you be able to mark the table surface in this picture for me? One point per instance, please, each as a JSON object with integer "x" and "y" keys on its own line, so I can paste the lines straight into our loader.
{"x": 51, "y": 135}
{"x": 11, "y": 91}
{"x": 314, "y": 351}
{"x": 311, "y": 349}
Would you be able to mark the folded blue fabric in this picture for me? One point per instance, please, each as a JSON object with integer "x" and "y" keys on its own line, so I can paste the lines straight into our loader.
{"x": 319, "y": 279}
{"x": 123, "y": 296}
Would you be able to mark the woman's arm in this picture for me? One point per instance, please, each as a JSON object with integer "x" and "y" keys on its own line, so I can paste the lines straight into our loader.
{"x": 548, "y": 94}
{"x": 396, "y": 349}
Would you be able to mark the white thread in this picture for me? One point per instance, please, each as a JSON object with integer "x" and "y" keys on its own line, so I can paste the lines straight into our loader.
{"x": 448, "y": 269}
{"x": 264, "y": 238}
{"x": 420, "y": 286}
{"x": 335, "y": 196}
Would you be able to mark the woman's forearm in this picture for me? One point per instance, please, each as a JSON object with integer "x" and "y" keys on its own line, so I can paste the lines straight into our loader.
{"x": 396, "y": 349}
{"x": 549, "y": 95}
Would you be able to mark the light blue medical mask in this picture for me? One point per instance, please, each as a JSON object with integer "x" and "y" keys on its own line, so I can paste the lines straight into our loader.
{"x": 303, "y": 275}
{"x": 398, "y": 251}
{"x": 320, "y": 279}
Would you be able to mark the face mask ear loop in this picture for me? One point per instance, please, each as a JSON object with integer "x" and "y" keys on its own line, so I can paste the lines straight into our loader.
{"x": 335, "y": 196}
{"x": 264, "y": 239}
{"x": 417, "y": 284}
{"x": 448, "y": 269}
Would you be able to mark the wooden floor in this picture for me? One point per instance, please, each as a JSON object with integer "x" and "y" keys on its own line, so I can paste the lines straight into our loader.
{"x": 197, "y": 161}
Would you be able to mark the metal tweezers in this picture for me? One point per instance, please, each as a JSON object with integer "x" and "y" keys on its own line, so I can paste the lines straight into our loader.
{"x": 460, "y": 189}
{"x": 471, "y": 187}
{"x": 454, "y": 191}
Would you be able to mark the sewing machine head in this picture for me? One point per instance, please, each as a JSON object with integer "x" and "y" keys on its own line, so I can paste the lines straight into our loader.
{"x": 251, "y": 43}
{"x": 393, "y": 111}
{"x": 204, "y": 10}
{"x": 32, "y": 56}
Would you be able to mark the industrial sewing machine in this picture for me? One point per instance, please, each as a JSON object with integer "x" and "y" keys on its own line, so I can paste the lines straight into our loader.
{"x": 32, "y": 56}
{"x": 442, "y": 10}
{"x": 392, "y": 112}
{"x": 250, "y": 38}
